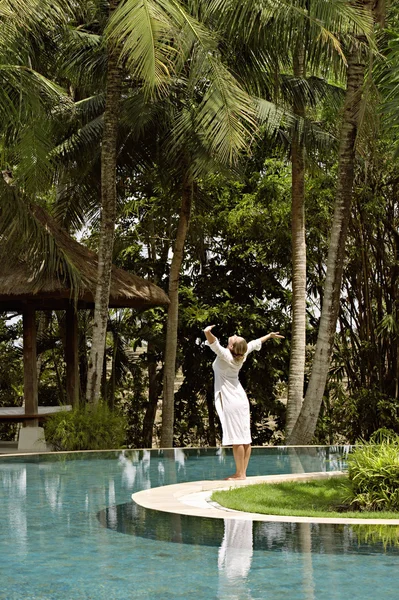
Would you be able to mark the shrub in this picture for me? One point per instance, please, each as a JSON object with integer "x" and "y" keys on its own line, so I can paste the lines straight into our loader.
{"x": 86, "y": 427}
{"x": 373, "y": 471}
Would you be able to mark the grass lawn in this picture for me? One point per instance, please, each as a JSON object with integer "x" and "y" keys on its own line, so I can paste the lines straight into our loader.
{"x": 317, "y": 498}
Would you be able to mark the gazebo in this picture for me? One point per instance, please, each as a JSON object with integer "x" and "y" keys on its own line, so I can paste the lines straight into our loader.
{"x": 25, "y": 289}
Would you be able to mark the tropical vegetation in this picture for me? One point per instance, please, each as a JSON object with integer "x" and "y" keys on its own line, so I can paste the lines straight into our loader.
{"x": 241, "y": 157}
{"x": 373, "y": 471}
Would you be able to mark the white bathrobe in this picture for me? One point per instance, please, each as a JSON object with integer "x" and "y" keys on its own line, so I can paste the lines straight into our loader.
{"x": 230, "y": 398}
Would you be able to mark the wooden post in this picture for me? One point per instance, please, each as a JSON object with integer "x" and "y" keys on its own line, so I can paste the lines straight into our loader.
{"x": 30, "y": 366}
{"x": 72, "y": 356}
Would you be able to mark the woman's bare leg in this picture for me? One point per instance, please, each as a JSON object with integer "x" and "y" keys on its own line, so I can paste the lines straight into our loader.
{"x": 247, "y": 455}
{"x": 239, "y": 459}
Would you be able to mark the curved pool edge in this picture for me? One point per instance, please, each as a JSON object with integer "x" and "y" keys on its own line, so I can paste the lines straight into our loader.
{"x": 194, "y": 499}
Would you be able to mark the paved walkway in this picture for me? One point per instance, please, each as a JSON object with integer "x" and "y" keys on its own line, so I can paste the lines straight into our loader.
{"x": 194, "y": 498}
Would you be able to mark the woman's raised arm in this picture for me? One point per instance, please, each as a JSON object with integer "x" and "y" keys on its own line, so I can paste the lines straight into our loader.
{"x": 209, "y": 335}
{"x": 272, "y": 335}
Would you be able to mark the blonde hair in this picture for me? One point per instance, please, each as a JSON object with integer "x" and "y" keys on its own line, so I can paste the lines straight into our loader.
{"x": 239, "y": 348}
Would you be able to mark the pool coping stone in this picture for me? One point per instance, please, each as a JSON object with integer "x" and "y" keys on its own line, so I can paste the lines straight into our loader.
{"x": 193, "y": 498}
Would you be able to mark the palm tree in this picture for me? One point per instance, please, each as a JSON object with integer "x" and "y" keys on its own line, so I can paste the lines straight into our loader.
{"x": 205, "y": 125}
{"x": 145, "y": 42}
{"x": 298, "y": 249}
{"x": 169, "y": 374}
{"x": 351, "y": 117}
{"x": 108, "y": 219}
{"x": 139, "y": 43}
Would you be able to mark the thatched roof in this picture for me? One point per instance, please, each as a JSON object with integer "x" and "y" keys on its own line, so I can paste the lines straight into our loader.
{"x": 22, "y": 283}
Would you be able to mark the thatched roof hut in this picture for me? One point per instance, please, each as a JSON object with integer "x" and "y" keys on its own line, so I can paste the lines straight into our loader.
{"x": 24, "y": 282}
{"x": 34, "y": 283}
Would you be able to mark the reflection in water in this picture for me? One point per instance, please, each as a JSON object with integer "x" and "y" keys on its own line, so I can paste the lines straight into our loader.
{"x": 388, "y": 535}
{"x": 234, "y": 561}
{"x": 298, "y": 538}
{"x": 305, "y": 537}
{"x": 180, "y": 460}
{"x": 132, "y": 519}
{"x": 14, "y": 485}
{"x": 138, "y": 467}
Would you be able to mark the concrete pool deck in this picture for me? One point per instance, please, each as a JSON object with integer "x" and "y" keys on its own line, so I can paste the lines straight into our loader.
{"x": 194, "y": 498}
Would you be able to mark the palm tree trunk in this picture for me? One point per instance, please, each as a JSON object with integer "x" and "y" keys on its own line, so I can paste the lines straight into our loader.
{"x": 112, "y": 379}
{"x": 173, "y": 313}
{"x": 210, "y": 403}
{"x": 108, "y": 217}
{"x": 306, "y": 423}
{"x": 298, "y": 336}
{"x": 153, "y": 395}
{"x": 83, "y": 362}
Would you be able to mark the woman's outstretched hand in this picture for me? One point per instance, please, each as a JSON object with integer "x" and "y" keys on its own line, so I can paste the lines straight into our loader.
{"x": 209, "y": 335}
{"x": 276, "y": 334}
{"x": 272, "y": 335}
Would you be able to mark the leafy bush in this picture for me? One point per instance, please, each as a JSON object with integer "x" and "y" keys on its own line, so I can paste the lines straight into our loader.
{"x": 86, "y": 428}
{"x": 373, "y": 471}
{"x": 383, "y": 435}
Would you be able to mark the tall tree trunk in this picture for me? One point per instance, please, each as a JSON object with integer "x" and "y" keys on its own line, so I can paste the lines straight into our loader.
{"x": 298, "y": 336}
{"x": 112, "y": 378}
{"x": 153, "y": 395}
{"x": 83, "y": 362}
{"x": 154, "y": 374}
{"x": 108, "y": 217}
{"x": 173, "y": 313}
{"x": 305, "y": 426}
{"x": 210, "y": 403}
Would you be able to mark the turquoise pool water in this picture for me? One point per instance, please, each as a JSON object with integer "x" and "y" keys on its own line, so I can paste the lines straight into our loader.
{"x": 69, "y": 530}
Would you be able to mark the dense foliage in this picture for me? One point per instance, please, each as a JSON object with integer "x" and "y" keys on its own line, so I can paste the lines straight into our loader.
{"x": 373, "y": 470}
{"x": 237, "y": 266}
{"x": 86, "y": 428}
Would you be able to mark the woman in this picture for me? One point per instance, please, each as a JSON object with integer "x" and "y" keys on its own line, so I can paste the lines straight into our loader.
{"x": 230, "y": 398}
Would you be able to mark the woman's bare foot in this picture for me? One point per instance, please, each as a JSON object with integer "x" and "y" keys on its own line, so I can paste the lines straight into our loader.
{"x": 235, "y": 476}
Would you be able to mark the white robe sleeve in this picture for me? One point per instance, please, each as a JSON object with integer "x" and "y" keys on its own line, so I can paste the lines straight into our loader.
{"x": 220, "y": 351}
{"x": 254, "y": 345}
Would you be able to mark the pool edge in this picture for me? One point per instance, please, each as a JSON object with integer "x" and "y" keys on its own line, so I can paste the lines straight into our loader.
{"x": 193, "y": 498}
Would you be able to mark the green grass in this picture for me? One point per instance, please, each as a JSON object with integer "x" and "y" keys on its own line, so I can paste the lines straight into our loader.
{"x": 317, "y": 498}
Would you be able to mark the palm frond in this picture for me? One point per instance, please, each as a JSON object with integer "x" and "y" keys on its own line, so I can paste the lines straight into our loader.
{"x": 32, "y": 155}
{"x": 90, "y": 108}
{"x": 23, "y": 237}
{"x": 137, "y": 113}
{"x": 387, "y": 79}
{"x": 77, "y": 198}
{"x": 226, "y": 115}
{"x": 32, "y": 14}
{"x": 24, "y": 91}
{"x": 330, "y": 20}
{"x": 272, "y": 116}
{"x": 144, "y": 33}
{"x": 85, "y": 141}
{"x": 82, "y": 57}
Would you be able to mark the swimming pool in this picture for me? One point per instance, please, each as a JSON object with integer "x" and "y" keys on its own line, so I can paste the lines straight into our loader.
{"x": 69, "y": 530}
